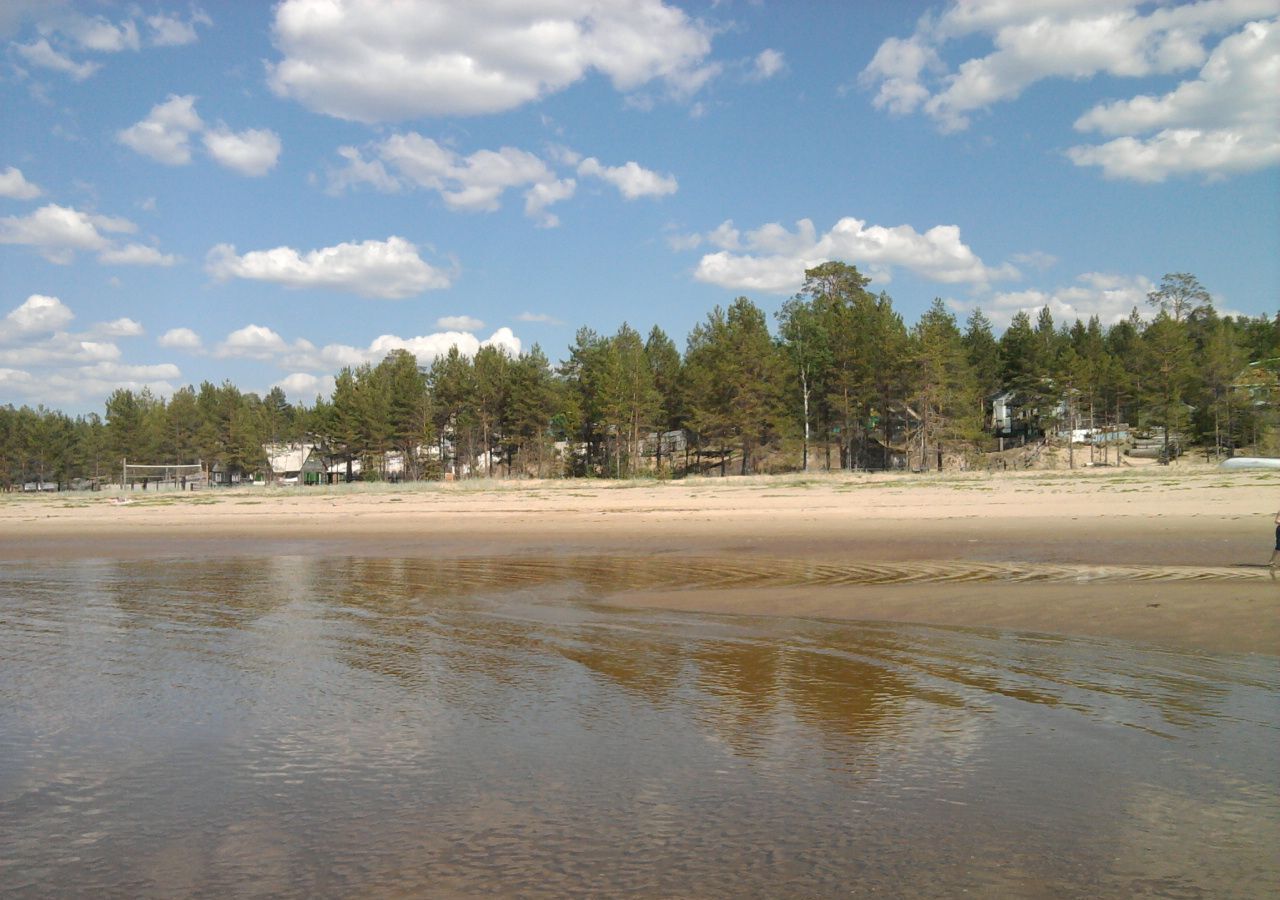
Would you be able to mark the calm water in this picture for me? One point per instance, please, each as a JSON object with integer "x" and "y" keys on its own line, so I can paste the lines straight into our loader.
{"x": 300, "y": 727}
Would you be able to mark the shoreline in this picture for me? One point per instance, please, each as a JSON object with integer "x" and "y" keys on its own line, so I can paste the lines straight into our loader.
{"x": 1186, "y": 547}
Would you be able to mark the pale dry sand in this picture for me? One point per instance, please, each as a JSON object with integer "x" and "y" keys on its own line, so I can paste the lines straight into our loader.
{"x": 1171, "y": 555}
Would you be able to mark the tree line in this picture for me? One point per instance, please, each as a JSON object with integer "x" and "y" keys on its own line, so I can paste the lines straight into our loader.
{"x": 841, "y": 381}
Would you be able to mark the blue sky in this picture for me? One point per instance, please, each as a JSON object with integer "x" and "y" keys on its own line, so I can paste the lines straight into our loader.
{"x": 267, "y": 192}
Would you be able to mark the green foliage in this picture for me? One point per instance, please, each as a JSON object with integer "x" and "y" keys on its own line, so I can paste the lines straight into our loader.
{"x": 1166, "y": 352}
{"x": 983, "y": 353}
{"x": 665, "y": 363}
{"x": 733, "y": 371}
{"x": 945, "y": 387}
{"x": 849, "y": 349}
{"x": 1179, "y": 295}
{"x": 533, "y": 402}
{"x": 843, "y": 371}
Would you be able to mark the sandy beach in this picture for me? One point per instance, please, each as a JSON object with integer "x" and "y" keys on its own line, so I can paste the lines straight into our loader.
{"x": 1174, "y": 555}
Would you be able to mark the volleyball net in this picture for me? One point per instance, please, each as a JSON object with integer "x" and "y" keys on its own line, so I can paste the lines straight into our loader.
{"x": 162, "y": 477}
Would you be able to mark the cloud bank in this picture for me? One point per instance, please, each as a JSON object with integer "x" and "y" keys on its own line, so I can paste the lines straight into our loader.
{"x": 313, "y": 367}
{"x": 389, "y": 270}
{"x": 477, "y": 182}
{"x": 1222, "y": 122}
{"x": 42, "y": 361}
{"x": 375, "y": 62}
{"x": 58, "y": 232}
{"x": 773, "y": 259}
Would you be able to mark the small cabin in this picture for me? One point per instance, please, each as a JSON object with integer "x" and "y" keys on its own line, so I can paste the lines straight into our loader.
{"x": 312, "y": 470}
{"x": 221, "y": 476}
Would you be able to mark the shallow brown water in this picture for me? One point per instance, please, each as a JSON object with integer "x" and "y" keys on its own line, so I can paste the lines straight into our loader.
{"x": 296, "y": 726}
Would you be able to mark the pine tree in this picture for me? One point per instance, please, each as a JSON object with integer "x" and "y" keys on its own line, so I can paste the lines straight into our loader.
{"x": 182, "y": 427}
{"x": 1179, "y": 294}
{"x": 665, "y": 363}
{"x": 407, "y": 407}
{"x": 629, "y": 401}
{"x": 344, "y": 429}
{"x": 944, "y": 385}
{"x": 733, "y": 368}
{"x": 492, "y": 369}
{"x": 1166, "y": 359}
{"x": 451, "y": 386}
{"x": 533, "y": 403}
{"x": 124, "y": 426}
{"x": 1220, "y": 360}
{"x": 983, "y": 352}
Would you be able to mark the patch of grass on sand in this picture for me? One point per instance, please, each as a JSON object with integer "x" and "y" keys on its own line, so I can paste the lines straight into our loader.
{"x": 153, "y": 501}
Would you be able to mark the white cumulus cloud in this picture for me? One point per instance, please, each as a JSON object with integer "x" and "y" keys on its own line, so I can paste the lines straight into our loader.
{"x": 373, "y": 61}
{"x": 631, "y": 179}
{"x": 37, "y": 314}
{"x": 428, "y": 347}
{"x": 43, "y": 362}
{"x": 390, "y": 269}
{"x": 1227, "y": 120}
{"x": 169, "y": 30}
{"x": 62, "y": 34}
{"x": 303, "y": 387}
{"x": 60, "y": 349}
{"x": 767, "y": 64}
{"x": 477, "y": 182}
{"x": 773, "y": 259}
{"x": 165, "y": 134}
{"x": 1110, "y": 297}
{"x": 252, "y": 341}
{"x": 303, "y": 358}
{"x": 459, "y": 323}
{"x": 136, "y": 255}
{"x": 542, "y": 195}
{"x": 180, "y": 339}
{"x": 57, "y": 232}
{"x": 1222, "y": 122}
{"x": 98, "y": 34}
{"x": 538, "y": 318}
{"x": 117, "y": 373}
{"x": 122, "y": 327}
{"x": 16, "y": 187}
{"x": 473, "y": 183}
{"x": 41, "y": 53}
{"x": 250, "y": 152}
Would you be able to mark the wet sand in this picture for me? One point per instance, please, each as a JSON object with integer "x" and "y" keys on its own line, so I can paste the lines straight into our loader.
{"x": 1170, "y": 555}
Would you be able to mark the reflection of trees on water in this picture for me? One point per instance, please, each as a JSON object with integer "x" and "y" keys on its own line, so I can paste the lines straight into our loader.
{"x": 426, "y": 625}
{"x": 761, "y": 689}
{"x": 429, "y": 623}
{"x": 1095, "y": 677}
{"x": 840, "y": 694}
{"x": 639, "y": 663}
{"x": 226, "y": 594}
{"x": 443, "y": 622}
{"x": 740, "y": 679}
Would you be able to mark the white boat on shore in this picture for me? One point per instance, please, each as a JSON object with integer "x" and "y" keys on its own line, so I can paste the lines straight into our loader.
{"x": 1250, "y": 462}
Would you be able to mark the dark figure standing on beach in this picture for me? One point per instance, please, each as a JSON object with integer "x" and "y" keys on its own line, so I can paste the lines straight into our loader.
{"x": 1276, "y": 552}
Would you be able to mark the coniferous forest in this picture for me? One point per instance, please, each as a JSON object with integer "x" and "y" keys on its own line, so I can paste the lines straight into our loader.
{"x": 840, "y": 380}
